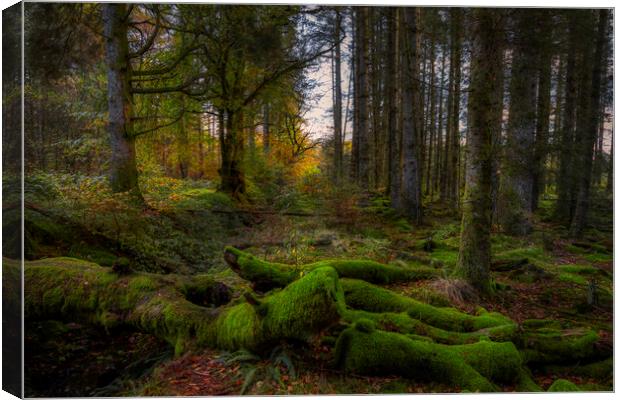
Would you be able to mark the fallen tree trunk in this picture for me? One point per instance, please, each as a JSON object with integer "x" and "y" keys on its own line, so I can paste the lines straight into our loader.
{"x": 267, "y": 275}
{"x": 76, "y": 290}
{"x": 365, "y": 350}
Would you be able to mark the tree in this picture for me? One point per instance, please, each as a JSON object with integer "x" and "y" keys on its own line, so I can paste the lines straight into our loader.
{"x": 516, "y": 184}
{"x": 486, "y": 79}
{"x": 392, "y": 107}
{"x": 589, "y": 135}
{"x": 544, "y": 30}
{"x": 563, "y": 206}
{"x": 411, "y": 203}
{"x": 123, "y": 170}
{"x": 338, "y": 145}
{"x": 362, "y": 94}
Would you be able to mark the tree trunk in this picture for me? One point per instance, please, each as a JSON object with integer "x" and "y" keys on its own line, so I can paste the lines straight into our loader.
{"x": 231, "y": 147}
{"x": 610, "y": 166}
{"x": 440, "y": 125}
{"x": 123, "y": 170}
{"x": 266, "y": 129}
{"x": 183, "y": 144}
{"x": 563, "y": 205}
{"x": 583, "y": 199}
{"x": 337, "y": 103}
{"x": 516, "y": 186}
{"x": 432, "y": 123}
{"x": 411, "y": 185}
{"x": 543, "y": 104}
{"x": 455, "y": 140}
{"x": 392, "y": 108}
{"x": 362, "y": 95}
{"x": 486, "y": 77}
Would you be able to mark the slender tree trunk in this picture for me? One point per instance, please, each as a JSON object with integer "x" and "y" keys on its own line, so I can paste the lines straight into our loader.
{"x": 354, "y": 166}
{"x": 266, "y": 131}
{"x": 563, "y": 205}
{"x": 440, "y": 125}
{"x": 557, "y": 114}
{"x": 543, "y": 104}
{"x": 486, "y": 78}
{"x": 610, "y": 165}
{"x": 583, "y": 198}
{"x": 411, "y": 188}
{"x": 516, "y": 186}
{"x": 445, "y": 172}
{"x": 392, "y": 107}
{"x": 598, "y": 159}
{"x": 123, "y": 170}
{"x": 432, "y": 122}
{"x": 183, "y": 144}
{"x": 337, "y": 103}
{"x": 362, "y": 75}
{"x": 455, "y": 141}
{"x": 201, "y": 148}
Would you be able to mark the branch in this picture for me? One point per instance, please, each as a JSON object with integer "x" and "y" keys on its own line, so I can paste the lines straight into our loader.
{"x": 150, "y": 40}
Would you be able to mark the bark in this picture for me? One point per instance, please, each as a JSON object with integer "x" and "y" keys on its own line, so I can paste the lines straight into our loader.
{"x": 392, "y": 108}
{"x": 440, "y": 125}
{"x": 486, "y": 78}
{"x": 231, "y": 149}
{"x": 432, "y": 122}
{"x": 337, "y": 103}
{"x": 589, "y": 134}
{"x": 363, "y": 173}
{"x": 266, "y": 133}
{"x": 411, "y": 203}
{"x": 123, "y": 170}
{"x": 610, "y": 165}
{"x": 183, "y": 151}
{"x": 455, "y": 140}
{"x": 543, "y": 105}
{"x": 563, "y": 205}
{"x": 516, "y": 186}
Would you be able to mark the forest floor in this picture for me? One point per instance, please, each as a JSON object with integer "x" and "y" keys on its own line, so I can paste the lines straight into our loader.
{"x": 548, "y": 276}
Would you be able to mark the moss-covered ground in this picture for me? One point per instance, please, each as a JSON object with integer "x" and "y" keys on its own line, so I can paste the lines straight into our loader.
{"x": 564, "y": 288}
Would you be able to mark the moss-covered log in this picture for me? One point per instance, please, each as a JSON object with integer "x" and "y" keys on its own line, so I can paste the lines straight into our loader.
{"x": 551, "y": 345}
{"x": 403, "y": 323}
{"x": 562, "y": 385}
{"x": 368, "y": 297}
{"x": 473, "y": 367}
{"x": 267, "y": 275}
{"x": 77, "y": 290}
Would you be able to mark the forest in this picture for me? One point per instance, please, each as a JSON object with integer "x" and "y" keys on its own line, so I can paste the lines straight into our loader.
{"x": 231, "y": 199}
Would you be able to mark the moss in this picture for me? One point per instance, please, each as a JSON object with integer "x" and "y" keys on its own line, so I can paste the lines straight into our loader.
{"x": 270, "y": 275}
{"x": 446, "y": 256}
{"x": 547, "y": 345}
{"x": 403, "y": 323}
{"x": 365, "y": 296}
{"x": 525, "y": 383}
{"x": 599, "y": 257}
{"x": 572, "y": 278}
{"x": 578, "y": 269}
{"x": 297, "y": 312}
{"x": 600, "y": 370}
{"x": 385, "y": 353}
{"x": 81, "y": 291}
{"x": 541, "y": 323}
{"x": 562, "y": 385}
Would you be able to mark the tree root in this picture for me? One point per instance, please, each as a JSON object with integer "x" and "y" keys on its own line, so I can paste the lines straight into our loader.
{"x": 72, "y": 289}
{"x": 471, "y": 367}
{"x": 267, "y": 275}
